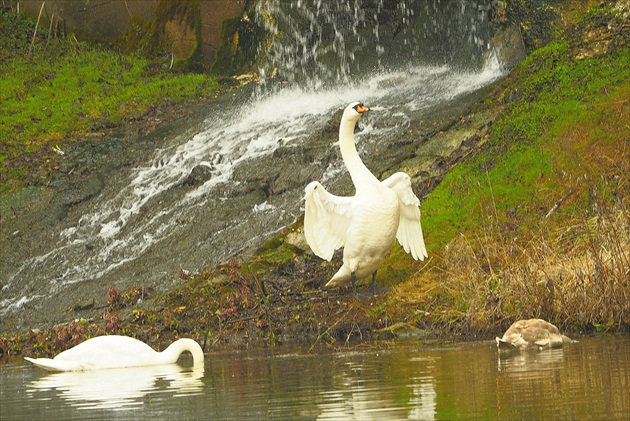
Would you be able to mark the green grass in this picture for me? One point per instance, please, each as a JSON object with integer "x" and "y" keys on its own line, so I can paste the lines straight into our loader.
{"x": 66, "y": 90}
{"x": 518, "y": 173}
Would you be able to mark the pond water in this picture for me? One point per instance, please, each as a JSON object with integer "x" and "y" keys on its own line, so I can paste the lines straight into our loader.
{"x": 411, "y": 380}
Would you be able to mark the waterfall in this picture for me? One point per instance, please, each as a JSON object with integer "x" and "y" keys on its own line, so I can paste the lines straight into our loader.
{"x": 321, "y": 43}
{"x": 402, "y": 58}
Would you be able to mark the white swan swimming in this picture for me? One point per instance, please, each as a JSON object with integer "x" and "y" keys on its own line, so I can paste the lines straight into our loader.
{"x": 115, "y": 351}
{"x": 366, "y": 224}
{"x": 532, "y": 333}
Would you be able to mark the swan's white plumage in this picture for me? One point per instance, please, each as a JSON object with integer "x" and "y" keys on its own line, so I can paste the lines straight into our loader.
{"x": 367, "y": 223}
{"x": 115, "y": 351}
{"x": 326, "y": 220}
{"x": 409, "y": 233}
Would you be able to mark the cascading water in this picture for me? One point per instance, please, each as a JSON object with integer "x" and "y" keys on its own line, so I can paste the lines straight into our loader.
{"x": 323, "y": 43}
{"x": 258, "y": 152}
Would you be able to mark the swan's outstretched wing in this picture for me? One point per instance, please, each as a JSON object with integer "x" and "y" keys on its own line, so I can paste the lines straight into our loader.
{"x": 326, "y": 220}
{"x": 409, "y": 233}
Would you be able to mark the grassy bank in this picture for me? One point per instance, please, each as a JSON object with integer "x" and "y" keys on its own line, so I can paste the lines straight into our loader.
{"x": 58, "y": 91}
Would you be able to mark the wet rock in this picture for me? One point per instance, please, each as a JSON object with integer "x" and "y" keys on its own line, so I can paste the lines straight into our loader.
{"x": 284, "y": 170}
{"x": 293, "y": 176}
{"x": 198, "y": 175}
{"x": 80, "y": 189}
{"x": 402, "y": 330}
{"x": 507, "y": 47}
{"x": 83, "y": 305}
{"x": 257, "y": 190}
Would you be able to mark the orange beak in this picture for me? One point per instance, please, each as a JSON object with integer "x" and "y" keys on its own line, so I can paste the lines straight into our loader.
{"x": 362, "y": 109}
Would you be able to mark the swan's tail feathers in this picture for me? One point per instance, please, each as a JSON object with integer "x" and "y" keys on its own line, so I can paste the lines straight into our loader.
{"x": 341, "y": 278}
{"x": 55, "y": 365}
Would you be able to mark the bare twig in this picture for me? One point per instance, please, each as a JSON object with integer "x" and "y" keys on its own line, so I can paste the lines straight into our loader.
{"x": 41, "y": 9}
{"x": 351, "y": 332}
{"x": 423, "y": 267}
{"x": 52, "y": 19}
{"x": 559, "y": 203}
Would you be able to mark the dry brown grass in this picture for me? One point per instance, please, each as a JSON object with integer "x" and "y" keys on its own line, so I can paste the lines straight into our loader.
{"x": 577, "y": 276}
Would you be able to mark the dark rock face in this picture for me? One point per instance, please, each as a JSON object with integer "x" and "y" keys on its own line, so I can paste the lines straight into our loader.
{"x": 508, "y": 47}
{"x": 186, "y": 27}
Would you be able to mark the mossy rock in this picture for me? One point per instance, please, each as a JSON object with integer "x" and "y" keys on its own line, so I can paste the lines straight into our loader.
{"x": 238, "y": 51}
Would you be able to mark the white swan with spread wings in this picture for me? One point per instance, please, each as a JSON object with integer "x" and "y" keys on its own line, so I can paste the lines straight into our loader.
{"x": 365, "y": 224}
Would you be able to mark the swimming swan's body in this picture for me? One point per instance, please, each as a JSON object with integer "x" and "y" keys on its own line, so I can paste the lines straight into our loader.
{"x": 532, "y": 333}
{"x": 366, "y": 224}
{"x": 115, "y": 351}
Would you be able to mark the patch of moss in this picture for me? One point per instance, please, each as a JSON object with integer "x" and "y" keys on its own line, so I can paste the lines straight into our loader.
{"x": 137, "y": 37}
{"x": 518, "y": 172}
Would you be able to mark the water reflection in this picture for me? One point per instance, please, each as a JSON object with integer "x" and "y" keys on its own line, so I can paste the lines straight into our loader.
{"x": 531, "y": 363}
{"x": 360, "y": 395}
{"x": 576, "y": 381}
{"x": 118, "y": 388}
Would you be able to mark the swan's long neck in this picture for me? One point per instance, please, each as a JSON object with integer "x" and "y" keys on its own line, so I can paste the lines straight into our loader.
{"x": 174, "y": 350}
{"x": 361, "y": 175}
